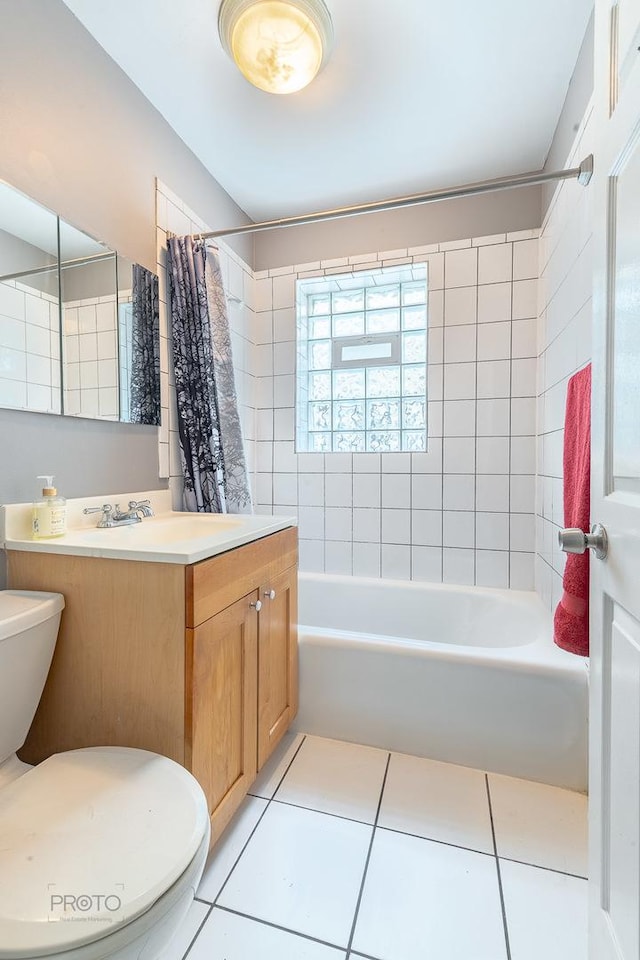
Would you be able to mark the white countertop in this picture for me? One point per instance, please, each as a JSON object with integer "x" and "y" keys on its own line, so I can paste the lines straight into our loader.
{"x": 167, "y": 537}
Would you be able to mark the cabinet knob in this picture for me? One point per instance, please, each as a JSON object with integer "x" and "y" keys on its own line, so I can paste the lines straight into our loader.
{"x": 257, "y": 604}
{"x": 271, "y": 594}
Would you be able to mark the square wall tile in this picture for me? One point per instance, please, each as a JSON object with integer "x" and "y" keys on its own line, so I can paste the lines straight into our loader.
{"x": 492, "y": 568}
{"x": 460, "y": 344}
{"x": 458, "y": 566}
{"x": 338, "y": 490}
{"x": 461, "y": 268}
{"x": 426, "y": 564}
{"x": 525, "y": 299}
{"x": 495, "y": 263}
{"x": 396, "y": 562}
{"x": 458, "y": 529}
{"x": 494, "y": 379}
{"x": 426, "y": 492}
{"x": 367, "y": 525}
{"x": 366, "y": 559}
{"x": 492, "y": 531}
{"x": 396, "y": 490}
{"x": 426, "y": 528}
{"x": 493, "y": 418}
{"x": 459, "y": 381}
{"x": 460, "y": 306}
{"x": 494, "y": 303}
{"x": 494, "y": 341}
{"x": 458, "y": 492}
{"x": 459, "y": 418}
{"x": 492, "y": 493}
{"x": 338, "y": 523}
{"x": 459, "y": 455}
{"x": 338, "y": 557}
{"x": 396, "y": 526}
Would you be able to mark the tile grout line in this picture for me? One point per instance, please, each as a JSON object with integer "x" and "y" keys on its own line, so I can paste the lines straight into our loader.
{"x": 500, "y": 890}
{"x": 278, "y": 926}
{"x": 257, "y": 824}
{"x": 366, "y": 864}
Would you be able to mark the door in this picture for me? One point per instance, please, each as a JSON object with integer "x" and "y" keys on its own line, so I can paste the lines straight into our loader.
{"x": 221, "y": 707}
{"x": 277, "y": 660}
{"x": 614, "y": 913}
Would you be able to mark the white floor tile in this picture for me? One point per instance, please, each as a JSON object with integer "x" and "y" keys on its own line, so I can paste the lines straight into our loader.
{"x": 424, "y": 899}
{"x": 539, "y": 824}
{"x": 301, "y": 870}
{"x": 271, "y": 774}
{"x": 227, "y": 849}
{"x": 179, "y": 944}
{"x": 438, "y": 801}
{"x": 344, "y": 779}
{"x": 546, "y": 913}
{"x": 225, "y": 936}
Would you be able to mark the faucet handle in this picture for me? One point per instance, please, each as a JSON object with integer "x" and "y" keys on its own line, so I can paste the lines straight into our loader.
{"x": 106, "y": 508}
{"x": 133, "y": 504}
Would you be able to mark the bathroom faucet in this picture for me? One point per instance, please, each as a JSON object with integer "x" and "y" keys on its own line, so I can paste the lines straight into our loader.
{"x": 114, "y": 517}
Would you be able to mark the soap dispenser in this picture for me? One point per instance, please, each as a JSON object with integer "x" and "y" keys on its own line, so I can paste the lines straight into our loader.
{"x": 49, "y": 512}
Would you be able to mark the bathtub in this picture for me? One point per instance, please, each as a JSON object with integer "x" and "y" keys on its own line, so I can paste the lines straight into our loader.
{"x": 466, "y": 675}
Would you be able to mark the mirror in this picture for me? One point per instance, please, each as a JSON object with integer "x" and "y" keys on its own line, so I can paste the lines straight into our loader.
{"x": 79, "y": 324}
{"x": 29, "y": 305}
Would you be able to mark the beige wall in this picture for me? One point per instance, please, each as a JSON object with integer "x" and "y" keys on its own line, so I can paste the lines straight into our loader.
{"x": 504, "y": 212}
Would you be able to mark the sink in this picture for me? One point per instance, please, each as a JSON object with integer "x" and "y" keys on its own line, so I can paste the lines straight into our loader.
{"x": 161, "y": 531}
{"x": 168, "y": 537}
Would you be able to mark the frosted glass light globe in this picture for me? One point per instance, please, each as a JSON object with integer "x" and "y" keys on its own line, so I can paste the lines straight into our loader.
{"x": 279, "y": 46}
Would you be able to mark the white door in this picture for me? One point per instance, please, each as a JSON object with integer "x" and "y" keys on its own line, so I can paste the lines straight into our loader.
{"x": 614, "y": 916}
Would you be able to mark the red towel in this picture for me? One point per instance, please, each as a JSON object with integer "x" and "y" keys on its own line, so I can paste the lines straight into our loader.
{"x": 571, "y": 621}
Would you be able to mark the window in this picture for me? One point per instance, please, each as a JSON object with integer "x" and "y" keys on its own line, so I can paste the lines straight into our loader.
{"x": 362, "y": 351}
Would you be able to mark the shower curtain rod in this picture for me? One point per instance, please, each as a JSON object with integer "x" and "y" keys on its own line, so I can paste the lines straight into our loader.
{"x": 581, "y": 173}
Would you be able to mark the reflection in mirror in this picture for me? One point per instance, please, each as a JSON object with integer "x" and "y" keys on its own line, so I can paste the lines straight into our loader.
{"x": 29, "y": 304}
{"x": 89, "y": 343}
{"x": 139, "y": 339}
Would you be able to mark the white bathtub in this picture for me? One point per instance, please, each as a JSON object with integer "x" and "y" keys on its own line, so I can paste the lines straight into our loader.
{"x": 463, "y": 674}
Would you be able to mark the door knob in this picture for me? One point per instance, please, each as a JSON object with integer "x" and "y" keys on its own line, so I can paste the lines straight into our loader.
{"x": 271, "y": 594}
{"x": 574, "y": 540}
{"x": 257, "y": 604}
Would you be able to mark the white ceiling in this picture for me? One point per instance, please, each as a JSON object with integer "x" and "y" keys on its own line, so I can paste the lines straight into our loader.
{"x": 418, "y": 94}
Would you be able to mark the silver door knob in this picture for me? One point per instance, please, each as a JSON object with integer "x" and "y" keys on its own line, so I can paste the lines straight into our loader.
{"x": 257, "y": 604}
{"x": 271, "y": 594}
{"x": 574, "y": 540}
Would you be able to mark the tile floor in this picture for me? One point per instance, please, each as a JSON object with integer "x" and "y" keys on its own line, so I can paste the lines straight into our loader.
{"x": 343, "y": 851}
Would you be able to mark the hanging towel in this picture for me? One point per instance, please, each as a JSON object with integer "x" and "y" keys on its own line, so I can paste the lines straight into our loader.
{"x": 571, "y": 621}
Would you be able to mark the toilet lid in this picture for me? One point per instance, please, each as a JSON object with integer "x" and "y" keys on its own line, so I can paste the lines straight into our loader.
{"x": 89, "y": 840}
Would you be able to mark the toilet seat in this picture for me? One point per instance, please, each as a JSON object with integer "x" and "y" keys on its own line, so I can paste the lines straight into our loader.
{"x": 89, "y": 840}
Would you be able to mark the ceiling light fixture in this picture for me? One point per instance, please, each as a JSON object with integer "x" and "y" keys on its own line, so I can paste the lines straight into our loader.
{"x": 279, "y": 45}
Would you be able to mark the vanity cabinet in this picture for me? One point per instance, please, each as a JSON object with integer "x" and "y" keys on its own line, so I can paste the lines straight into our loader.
{"x": 195, "y": 662}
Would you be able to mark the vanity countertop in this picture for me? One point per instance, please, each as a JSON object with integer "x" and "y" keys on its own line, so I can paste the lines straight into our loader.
{"x": 167, "y": 537}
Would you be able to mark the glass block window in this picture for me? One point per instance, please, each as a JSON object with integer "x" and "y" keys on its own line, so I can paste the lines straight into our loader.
{"x": 362, "y": 361}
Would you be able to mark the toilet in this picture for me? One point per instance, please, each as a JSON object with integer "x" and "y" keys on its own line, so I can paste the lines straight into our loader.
{"x": 101, "y": 849}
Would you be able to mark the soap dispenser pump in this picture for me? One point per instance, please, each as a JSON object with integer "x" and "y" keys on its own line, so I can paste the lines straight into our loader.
{"x": 49, "y": 512}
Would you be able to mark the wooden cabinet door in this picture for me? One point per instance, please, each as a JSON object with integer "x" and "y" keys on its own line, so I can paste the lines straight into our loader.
{"x": 277, "y": 660}
{"x": 221, "y": 707}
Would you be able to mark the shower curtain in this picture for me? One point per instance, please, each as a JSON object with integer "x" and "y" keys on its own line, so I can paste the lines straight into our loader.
{"x": 211, "y": 445}
{"x": 144, "y": 403}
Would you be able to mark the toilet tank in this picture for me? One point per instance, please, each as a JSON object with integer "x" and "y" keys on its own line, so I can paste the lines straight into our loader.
{"x": 29, "y": 624}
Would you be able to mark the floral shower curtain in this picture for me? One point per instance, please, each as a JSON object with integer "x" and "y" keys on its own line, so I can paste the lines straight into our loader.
{"x": 211, "y": 446}
{"x": 145, "y": 348}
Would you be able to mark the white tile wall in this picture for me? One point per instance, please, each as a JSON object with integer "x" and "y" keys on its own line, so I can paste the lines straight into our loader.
{"x": 29, "y": 348}
{"x": 89, "y": 332}
{"x": 419, "y": 516}
{"x": 564, "y": 346}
